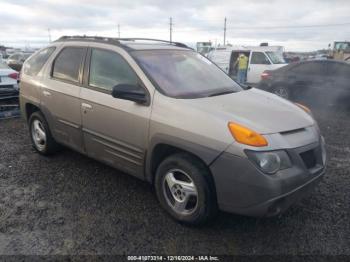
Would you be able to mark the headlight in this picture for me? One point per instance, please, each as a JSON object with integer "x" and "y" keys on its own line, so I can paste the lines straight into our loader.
{"x": 270, "y": 162}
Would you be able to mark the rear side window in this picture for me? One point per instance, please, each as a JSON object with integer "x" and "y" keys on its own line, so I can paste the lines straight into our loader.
{"x": 309, "y": 68}
{"x": 68, "y": 63}
{"x": 108, "y": 69}
{"x": 259, "y": 58}
{"x": 35, "y": 63}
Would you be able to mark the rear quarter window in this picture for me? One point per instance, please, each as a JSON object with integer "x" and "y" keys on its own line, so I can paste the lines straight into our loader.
{"x": 33, "y": 66}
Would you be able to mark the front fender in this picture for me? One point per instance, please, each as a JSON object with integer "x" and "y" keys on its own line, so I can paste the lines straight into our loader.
{"x": 206, "y": 154}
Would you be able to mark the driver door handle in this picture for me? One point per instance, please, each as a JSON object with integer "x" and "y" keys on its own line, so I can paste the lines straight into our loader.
{"x": 86, "y": 106}
{"x": 46, "y": 93}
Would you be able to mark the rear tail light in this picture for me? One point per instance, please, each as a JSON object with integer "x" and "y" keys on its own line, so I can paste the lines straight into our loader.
{"x": 13, "y": 76}
{"x": 265, "y": 75}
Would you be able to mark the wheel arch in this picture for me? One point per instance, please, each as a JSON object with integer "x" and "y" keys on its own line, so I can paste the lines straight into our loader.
{"x": 164, "y": 146}
{"x": 30, "y": 108}
{"x": 285, "y": 85}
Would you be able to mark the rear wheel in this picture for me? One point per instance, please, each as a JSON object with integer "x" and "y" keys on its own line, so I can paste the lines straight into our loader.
{"x": 40, "y": 134}
{"x": 185, "y": 189}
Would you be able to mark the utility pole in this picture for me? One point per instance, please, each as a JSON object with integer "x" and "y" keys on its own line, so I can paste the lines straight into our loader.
{"x": 118, "y": 30}
{"x": 171, "y": 29}
{"x": 48, "y": 30}
{"x": 225, "y": 32}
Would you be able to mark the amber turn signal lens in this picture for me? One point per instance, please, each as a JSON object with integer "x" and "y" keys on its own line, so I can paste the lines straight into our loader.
{"x": 246, "y": 136}
{"x": 305, "y": 108}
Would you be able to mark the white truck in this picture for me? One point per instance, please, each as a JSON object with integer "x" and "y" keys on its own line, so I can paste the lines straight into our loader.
{"x": 261, "y": 58}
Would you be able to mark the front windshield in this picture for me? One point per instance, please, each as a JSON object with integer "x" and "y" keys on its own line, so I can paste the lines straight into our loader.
{"x": 185, "y": 74}
{"x": 276, "y": 58}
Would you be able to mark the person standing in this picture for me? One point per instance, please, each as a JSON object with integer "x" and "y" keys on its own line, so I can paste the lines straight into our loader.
{"x": 242, "y": 62}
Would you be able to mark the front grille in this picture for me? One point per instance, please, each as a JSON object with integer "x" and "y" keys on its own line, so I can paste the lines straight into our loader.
{"x": 309, "y": 158}
{"x": 289, "y": 132}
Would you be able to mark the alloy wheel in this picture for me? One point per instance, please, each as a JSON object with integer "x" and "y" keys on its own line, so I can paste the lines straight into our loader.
{"x": 180, "y": 192}
{"x": 39, "y": 134}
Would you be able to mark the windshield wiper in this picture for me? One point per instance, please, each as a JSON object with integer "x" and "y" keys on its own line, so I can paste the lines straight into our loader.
{"x": 221, "y": 93}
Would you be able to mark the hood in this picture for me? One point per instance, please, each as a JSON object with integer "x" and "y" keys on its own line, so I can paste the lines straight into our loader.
{"x": 261, "y": 111}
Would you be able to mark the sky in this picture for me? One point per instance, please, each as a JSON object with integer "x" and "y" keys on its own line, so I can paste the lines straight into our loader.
{"x": 297, "y": 25}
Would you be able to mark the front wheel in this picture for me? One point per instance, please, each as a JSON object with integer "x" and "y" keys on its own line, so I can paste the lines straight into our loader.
{"x": 185, "y": 189}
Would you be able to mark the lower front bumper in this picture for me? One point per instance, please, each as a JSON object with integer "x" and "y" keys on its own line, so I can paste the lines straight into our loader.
{"x": 277, "y": 205}
{"x": 242, "y": 188}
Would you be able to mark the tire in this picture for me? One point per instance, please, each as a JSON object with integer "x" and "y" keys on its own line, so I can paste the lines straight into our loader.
{"x": 281, "y": 91}
{"x": 40, "y": 135}
{"x": 180, "y": 179}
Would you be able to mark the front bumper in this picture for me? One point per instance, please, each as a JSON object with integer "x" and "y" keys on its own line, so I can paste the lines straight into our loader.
{"x": 243, "y": 189}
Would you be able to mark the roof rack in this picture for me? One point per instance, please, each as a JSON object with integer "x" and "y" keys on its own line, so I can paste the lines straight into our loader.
{"x": 87, "y": 38}
{"x": 154, "y": 40}
{"x": 116, "y": 41}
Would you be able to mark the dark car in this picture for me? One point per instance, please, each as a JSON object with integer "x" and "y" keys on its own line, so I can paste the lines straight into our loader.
{"x": 16, "y": 60}
{"x": 314, "y": 83}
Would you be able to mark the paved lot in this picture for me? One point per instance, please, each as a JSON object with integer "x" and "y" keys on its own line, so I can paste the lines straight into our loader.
{"x": 69, "y": 204}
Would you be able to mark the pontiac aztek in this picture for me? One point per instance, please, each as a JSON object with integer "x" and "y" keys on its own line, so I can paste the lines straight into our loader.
{"x": 162, "y": 112}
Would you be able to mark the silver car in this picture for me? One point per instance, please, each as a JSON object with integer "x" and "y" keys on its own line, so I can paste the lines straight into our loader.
{"x": 8, "y": 83}
{"x": 166, "y": 114}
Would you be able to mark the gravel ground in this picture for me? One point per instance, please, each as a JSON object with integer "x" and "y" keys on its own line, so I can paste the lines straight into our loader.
{"x": 70, "y": 204}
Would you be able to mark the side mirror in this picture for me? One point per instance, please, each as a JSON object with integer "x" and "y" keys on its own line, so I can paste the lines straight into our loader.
{"x": 133, "y": 93}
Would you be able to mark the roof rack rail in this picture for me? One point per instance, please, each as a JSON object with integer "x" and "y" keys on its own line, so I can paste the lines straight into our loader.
{"x": 87, "y": 38}
{"x": 154, "y": 40}
{"x": 115, "y": 40}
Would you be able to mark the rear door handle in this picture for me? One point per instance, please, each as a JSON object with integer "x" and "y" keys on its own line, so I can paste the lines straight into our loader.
{"x": 46, "y": 93}
{"x": 86, "y": 106}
